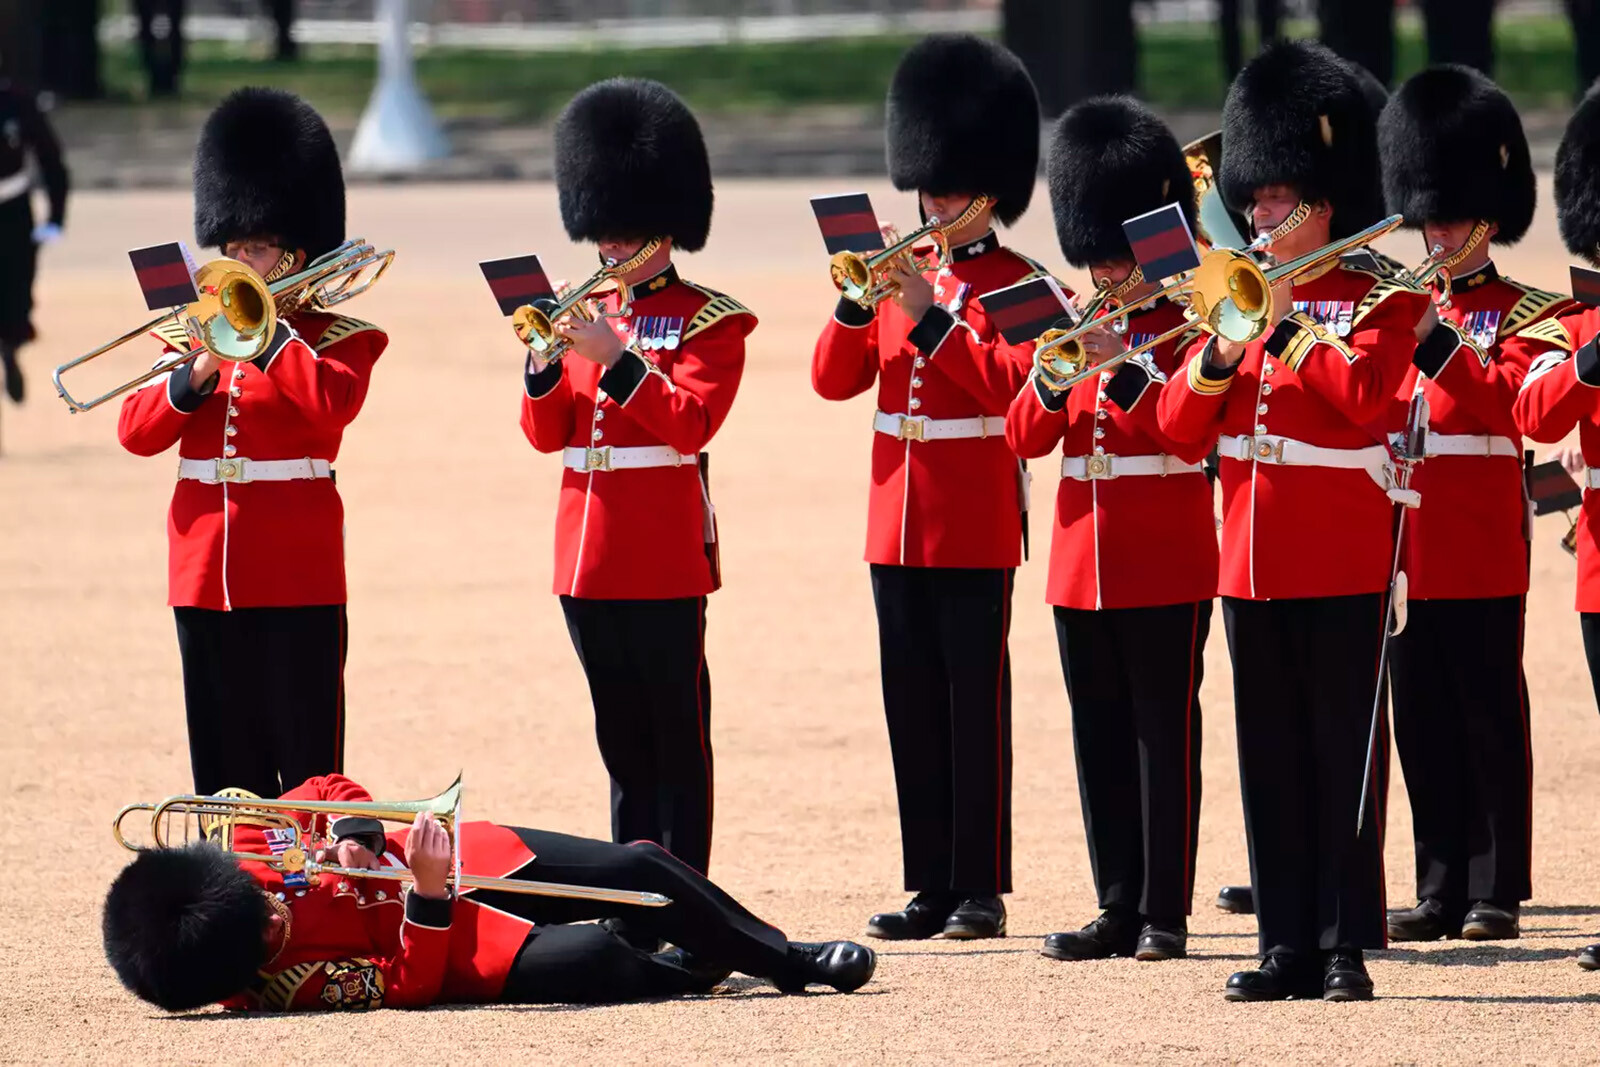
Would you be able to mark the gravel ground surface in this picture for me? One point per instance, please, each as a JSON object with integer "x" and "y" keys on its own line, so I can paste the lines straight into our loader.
{"x": 459, "y": 660}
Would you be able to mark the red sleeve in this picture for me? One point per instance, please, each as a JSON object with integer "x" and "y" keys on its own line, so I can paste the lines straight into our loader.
{"x": 1557, "y": 393}
{"x": 331, "y": 384}
{"x": 686, "y": 406}
{"x": 548, "y": 415}
{"x": 845, "y": 361}
{"x": 1036, "y": 420}
{"x": 152, "y": 417}
{"x": 1361, "y": 376}
{"x": 973, "y": 356}
{"x": 1190, "y": 409}
{"x": 1485, "y": 383}
{"x": 328, "y": 787}
{"x": 411, "y": 978}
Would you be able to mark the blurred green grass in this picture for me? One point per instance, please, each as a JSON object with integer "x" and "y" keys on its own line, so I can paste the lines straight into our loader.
{"x": 1180, "y": 67}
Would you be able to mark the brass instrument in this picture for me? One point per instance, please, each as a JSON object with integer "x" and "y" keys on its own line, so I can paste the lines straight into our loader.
{"x": 1219, "y": 227}
{"x": 1437, "y": 271}
{"x": 1229, "y": 294}
{"x": 864, "y": 278}
{"x": 216, "y": 818}
{"x": 238, "y": 311}
{"x": 535, "y": 323}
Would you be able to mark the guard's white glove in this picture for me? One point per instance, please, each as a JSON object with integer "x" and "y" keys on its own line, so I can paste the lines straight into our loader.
{"x": 46, "y": 233}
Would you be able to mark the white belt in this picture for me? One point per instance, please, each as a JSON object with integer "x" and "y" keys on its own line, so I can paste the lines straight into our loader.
{"x": 922, "y": 428}
{"x": 1095, "y": 468}
{"x": 609, "y": 458}
{"x": 1291, "y": 453}
{"x": 213, "y": 471}
{"x": 14, "y": 186}
{"x": 1591, "y": 478}
{"x": 1470, "y": 444}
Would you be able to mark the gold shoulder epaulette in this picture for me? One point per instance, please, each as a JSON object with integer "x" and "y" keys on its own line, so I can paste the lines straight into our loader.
{"x": 340, "y": 328}
{"x": 1036, "y": 269}
{"x": 1190, "y": 336}
{"x": 1381, "y": 291}
{"x": 1532, "y": 305}
{"x": 1551, "y": 331}
{"x": 278, "y": 991}
{"x": 172, "y": 334}
{"x": 720, "y": 306}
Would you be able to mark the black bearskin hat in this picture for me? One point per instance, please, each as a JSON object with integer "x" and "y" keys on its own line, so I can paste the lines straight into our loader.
{"x": 183, "y": 927}
{"x": 630, "y": 162}
{"x": 1296, "y": 115}
{"x": 1454, "y": 151}
{"x": 1111, "y": 158}
{"x": 1375, "y": 91}
{"x": 267, "y": 166}
{"x": 1578, "y": 179}
{"x": 963, "y": 117}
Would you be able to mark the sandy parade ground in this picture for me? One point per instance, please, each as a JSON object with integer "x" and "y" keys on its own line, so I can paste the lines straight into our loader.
{"x": 459, "y": 660}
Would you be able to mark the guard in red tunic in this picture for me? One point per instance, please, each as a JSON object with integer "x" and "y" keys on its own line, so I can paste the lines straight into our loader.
{"x": 630, "y": 410}
{"x": 1133, "y": 561}
{"x": 1306, "y": 541}
{"x": 256, "y": 528}
{"x": 1455, "y": 164}
{"x": 944, "y": 517}
{"x": 188, "y": 927}
{"x": 1562, "y": 389}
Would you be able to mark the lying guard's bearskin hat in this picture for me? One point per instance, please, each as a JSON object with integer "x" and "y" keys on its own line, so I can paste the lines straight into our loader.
{"x": 1578, "y": 179}
{"x": 1296, "y": 116}
{"x": 1111, "y": 158}
{"x": 963, "y": 117}
{"x": 1454, "y": 151}
{"x": 183, "y": 927}
{"x": 267, "y": 166}
{"x": 630, "y": 162}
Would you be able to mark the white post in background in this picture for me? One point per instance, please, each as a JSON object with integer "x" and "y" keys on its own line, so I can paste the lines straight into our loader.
{"x": 398, "y": 132}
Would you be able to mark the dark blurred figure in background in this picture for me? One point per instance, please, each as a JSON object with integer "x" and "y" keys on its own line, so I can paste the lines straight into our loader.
{"x": 1269, "y": 13}
{"x": 161, "y": 43}
{"x": 1460, "y": 31}
{"x": 1585, "y": 16}
{"x": 24, "y": 132}
{"x": 1457, "y": 31}
{"x": 282, "y": 12}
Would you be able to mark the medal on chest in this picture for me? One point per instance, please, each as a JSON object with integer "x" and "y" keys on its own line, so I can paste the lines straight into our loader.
{"x": 656, "y": 332}
{"x": 281, "y": 843}
{"x": 1338, "y": 315}
{"x": 1483, "y": 327}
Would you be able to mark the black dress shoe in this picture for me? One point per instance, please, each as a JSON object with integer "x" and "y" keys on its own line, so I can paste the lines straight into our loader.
{"x": 1112, "y": 933}
{"x": 917, "y": 921}
{"x": 1279, "y": 977}
{"x": 700, "y": 976}
{"x": 1491, "y": 922}
{"x": 1428, "y": 921}
{"x": 635, "y": 937}
{"x": 1239, "y": 899}
{"x": 1344, "y": 976}
{"x": 844, "y": 965}
{"x": 1162, "y": 940}
{"x": 976, "y": 918}
{"x": 1589, "y": 958}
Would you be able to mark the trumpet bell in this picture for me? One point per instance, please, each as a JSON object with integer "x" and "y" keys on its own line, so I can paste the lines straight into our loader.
{"x": 851, "y": 274}
{"x": 533, "y": 326}
{"x": 235, "y": 315}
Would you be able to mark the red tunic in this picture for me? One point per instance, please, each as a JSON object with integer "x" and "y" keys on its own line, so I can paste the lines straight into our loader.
{"x": 1305, "y": 531}
{"x": 1123, "y": 542}
{"x": 259, "y": 544}
{"x": 947, "y": 503}
{"x": 641, "y": 533}
{"x": 369, "y": 944}
{"x": 1467, "y": 538}
{"x": 1562, "y": 392}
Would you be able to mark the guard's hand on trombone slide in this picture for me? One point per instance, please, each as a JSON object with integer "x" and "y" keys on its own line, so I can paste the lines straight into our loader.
{"x": 347, "y": 853}
{"x": 591, "y": 340}
{"x": 428, "y": 856}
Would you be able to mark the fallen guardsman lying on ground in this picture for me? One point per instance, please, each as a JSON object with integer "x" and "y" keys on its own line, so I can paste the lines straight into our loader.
{"x": 191, "y": 926}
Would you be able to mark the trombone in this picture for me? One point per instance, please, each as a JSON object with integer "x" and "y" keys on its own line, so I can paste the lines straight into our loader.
{"x": 1229, "y": 294}
{"x": 217, "y": 817}
{"x": 864, "y": 278}
{"x": 535, "y": 323}
{"x": 1436, "y": 273}
{"x": 238, "y": 311}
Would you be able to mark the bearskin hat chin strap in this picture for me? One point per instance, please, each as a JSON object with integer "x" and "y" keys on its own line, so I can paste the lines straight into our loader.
{"x": 1297, "y": 217}
{"x": 633, "y": 262}
{"x": 1470, "y": 245}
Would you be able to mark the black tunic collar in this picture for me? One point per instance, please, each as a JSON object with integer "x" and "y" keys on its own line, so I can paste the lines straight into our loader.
{"x": 973, "y": 249}
{"x": 1477, "y": 279}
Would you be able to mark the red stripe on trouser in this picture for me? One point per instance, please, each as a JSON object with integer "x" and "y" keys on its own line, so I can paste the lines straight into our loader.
{"x": 1527, "y": 731}
{"x": 338, "y": 725}
{"x": 1000, "y": 739}
{"x": 700, "y": 719}
{"x": 1380, "y": 760}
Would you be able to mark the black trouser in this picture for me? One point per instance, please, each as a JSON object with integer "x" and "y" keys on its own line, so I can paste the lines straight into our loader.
{"x": 1133, "y": 677}
{"x": 646, "y": 665}
{"x": 1589, "y": 621}
{"x": 1461, "y": 726}
{"x": 1304, "y": 675}
{"x": 589, "y": 964}
{"x": 18, "y": 256}
{"x": 264, "y": 693}
{"x": 161, "y": 45}
{"x": 942, "y": 635}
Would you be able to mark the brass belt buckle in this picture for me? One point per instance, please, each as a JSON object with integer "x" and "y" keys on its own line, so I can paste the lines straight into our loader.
{"x": 1099, "y": 466}
{"x": 231, "y": 470}
{"x": 1267, "y": 449}
{"x": 913, "y": 428}
{"x": 597, "y": 459}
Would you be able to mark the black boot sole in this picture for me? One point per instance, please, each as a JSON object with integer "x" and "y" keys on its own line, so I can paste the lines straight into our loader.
{"x": 1481, "y": 932}
{"x": 953, "y": 932}
{"x": 1234, "y": 907}
{"x": 1244, "y": 996}
{"x": 1589, "y": 961}
{"x": 884, "y": 933}
{"x": 1156, "y": 955}
{"x": 1342, "y": 995}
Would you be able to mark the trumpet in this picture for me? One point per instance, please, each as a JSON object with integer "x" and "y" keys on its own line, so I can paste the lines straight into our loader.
{"x": 864, "y": 279}
{"x": 216, "y": 818}
{"x": 1435, "y": 273}
{"x": 1229, "y": 295}
{"x": 535, "y": 323}
{"x": 238, "y": 311}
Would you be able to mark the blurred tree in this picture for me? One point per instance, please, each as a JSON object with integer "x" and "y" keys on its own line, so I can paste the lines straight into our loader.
{"x": 1268, "y": 16}
{"x": 1585, "y": 16}
{"x": 1073, "y": 48}
{"x": 1460, "y": 31}
{"x": 1362, "y": 30}
{"x": 69, "y": 48}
